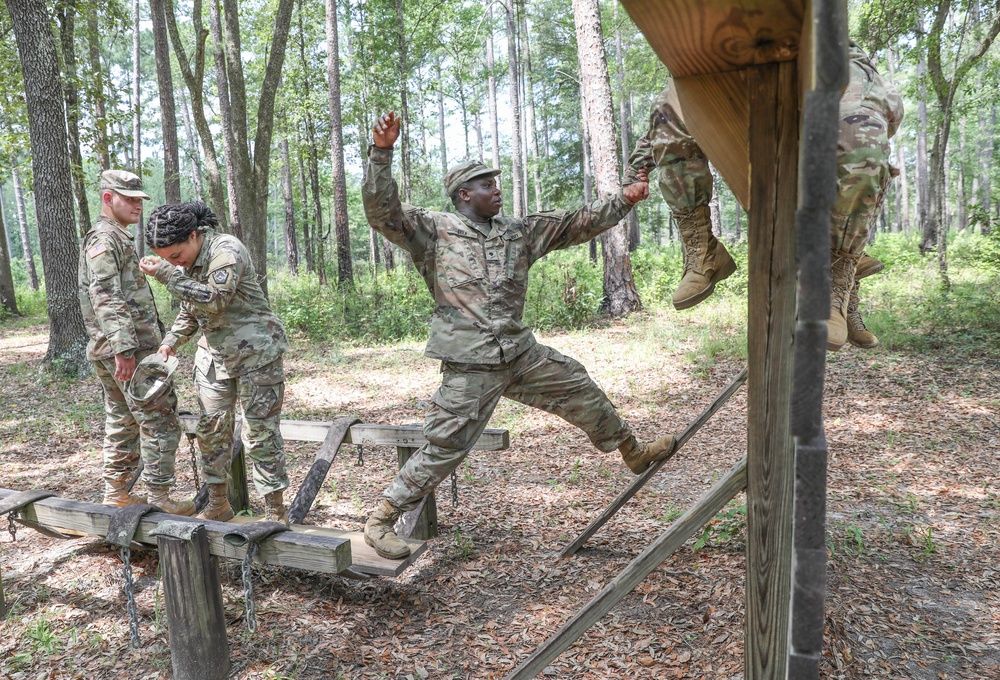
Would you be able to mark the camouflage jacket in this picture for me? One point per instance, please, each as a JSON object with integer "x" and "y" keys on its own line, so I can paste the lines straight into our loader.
{"x": 220, "y": 295}
{"x": 477, "y": 273}
{"x": 115, "y": 298}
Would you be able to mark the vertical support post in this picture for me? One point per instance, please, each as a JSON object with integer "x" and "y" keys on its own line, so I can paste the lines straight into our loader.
{"x": 199, "y": 649}
{"x": 239, "y": 495}
{"x": 774, "y": 133}
{"x": 420, "y": 523}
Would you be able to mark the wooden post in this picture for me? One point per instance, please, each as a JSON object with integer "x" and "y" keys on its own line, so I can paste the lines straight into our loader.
{"x": 420, "y": 523}
{"x": 239, "y": 495}
{"x": 199, "y": 649}
{"x": 774, "y": 133}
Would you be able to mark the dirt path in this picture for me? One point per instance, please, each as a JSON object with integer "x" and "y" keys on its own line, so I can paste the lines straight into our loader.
{"x": 914, "y": 504}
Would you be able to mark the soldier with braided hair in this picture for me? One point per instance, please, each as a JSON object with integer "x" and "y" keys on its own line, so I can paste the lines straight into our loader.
{"x": 239, "y": 355}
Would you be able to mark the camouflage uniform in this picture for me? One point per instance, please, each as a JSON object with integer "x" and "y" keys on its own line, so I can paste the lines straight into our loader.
{"x": 478, "y": 275}
{"x": 120, "y": 317}
{"x": 238, "y": 358}
{"x": 870, "y": 112}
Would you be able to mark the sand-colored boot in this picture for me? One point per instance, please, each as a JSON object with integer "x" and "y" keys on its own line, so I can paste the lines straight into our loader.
{"x": 218, "y": 507}
{"x": 857, "y": 333}
{"x": 841, "y": 282}
{"x": 116, "y": 493}
{"x": 867, "y": 266}
{"x": 706, "y": 260}
{"x": 160, "y": 497}
{"x": 275, "y": 509}
{"x": 380, "y": 532}
{"x": 639, "y": 456}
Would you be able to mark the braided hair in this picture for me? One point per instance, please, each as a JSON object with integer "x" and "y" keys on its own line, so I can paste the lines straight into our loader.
{"x": 170, "y": 224}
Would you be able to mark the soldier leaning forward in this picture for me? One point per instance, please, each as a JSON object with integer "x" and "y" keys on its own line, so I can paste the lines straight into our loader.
{"x": 121, "y": 321}
{"x": 475, "y": 265}
{"x": 239, "y": 353}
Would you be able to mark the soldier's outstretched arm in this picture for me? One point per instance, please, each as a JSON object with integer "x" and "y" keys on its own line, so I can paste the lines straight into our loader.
{"x": 184, "y": 328}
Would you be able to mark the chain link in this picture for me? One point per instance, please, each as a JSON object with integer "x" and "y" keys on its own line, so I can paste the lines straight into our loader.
{"x": 133, "y": 614}
{"x": 454, "y": 489}
{"x": 194, "y": 463}
{"x": 361, "y": 455}
{"x": 248, "y": 588}
{"x": 11, "y": 526}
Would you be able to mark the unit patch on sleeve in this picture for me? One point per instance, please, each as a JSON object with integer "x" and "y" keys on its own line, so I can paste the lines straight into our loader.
{"x": 94, "y": 251}
{"x": 220, "y": 276}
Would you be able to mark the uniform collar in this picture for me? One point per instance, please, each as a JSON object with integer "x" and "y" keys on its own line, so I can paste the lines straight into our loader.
{"x": 114, "y": 223}
{"x": 203, "y": 255}
{"x": 486, "y": 229}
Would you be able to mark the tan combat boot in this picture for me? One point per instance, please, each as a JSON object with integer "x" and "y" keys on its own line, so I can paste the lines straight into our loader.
{"x": 218, "y": 507}
{"x": 160, "y": 497}
{"x": 275, "y": 509}
{"x": 380, "y": 533}
{"x": 116, "y": 493}
{"x": 841, "y": 282}
{"x": 857, "y": 332}
{"x": 867, "y": 266}
{"x": 638, "y": 456}
{"x": 706, "y": 261}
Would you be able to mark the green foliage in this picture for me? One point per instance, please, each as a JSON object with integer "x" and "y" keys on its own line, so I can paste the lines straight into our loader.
{"x": 727, "y": 526}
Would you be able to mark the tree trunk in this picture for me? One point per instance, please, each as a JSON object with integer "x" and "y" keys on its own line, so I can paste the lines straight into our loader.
{"x": 987, "y": 136}
{"x": 168, "y": 115}
{"x": 225, "y": 114}
{"x": 66, "y": 14}
{"x": 491, "y": 83}
{"x": 902, "y": 186}
{"x": 625, "y": 135}
{"x": 345, "y": 268}
{"x": 516, "y": 158}
{"x": 442, "y": 134}
{"x": 620, "y": 296}
{"x": 319, "y": 237}
{"x": 22, "y": 223}
{"x": 588, "y": 178}
{"x": 192, "y": 152}
{"x": 291, "y": 242}
{"x": 140, "y": 234}
{"x": 923, "y": 189}
{"x": 529, "y": 110}
{"x": 8, "y": 297}
{"x": 98, "y": 103}
{"x": 307, "y": 240}
{"x": 52, "y": 180}
{"x": 404, "y": 112}
{"x": 479, "y": 138}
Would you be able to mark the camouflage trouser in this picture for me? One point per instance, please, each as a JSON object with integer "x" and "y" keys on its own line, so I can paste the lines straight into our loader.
{"x": 260, "y": 394}
{"x": 462, "y": 406}
{"x": 154, "y": 427}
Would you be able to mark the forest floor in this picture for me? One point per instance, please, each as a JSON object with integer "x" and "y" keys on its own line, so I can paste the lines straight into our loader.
{"x": 913, "y": 525}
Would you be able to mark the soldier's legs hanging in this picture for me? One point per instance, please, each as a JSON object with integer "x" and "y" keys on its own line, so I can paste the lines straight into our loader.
{"x": 121, "y": 431}
{"x": 459, "y": 412}
{"x": 217, "y": 402}
{"x": 261, "y": 394}
{"x": 548, "y": 380}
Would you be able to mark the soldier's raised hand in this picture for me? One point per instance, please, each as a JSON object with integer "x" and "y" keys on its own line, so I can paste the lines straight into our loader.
{"x": 386, "y": 130}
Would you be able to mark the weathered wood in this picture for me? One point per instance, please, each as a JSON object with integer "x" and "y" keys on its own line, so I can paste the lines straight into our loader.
{"x": 641, "y": 480}
{"x": 239, "y": 494}
{"x": 321, "y": 466}
{"x": 774, "y": 130}
{"x": 422, "y": 521}
{"x": 370, "y": 435}
{"x": 199, "y": 649}
{"x": 327, "y": 554}
{"x": 637, "y": 570}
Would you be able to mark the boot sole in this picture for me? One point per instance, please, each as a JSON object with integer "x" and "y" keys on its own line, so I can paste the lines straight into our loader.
{"x": 865, "y": 273}
{"x": 383, "y": 553}
{"x": 721, "y": 275}
{"x": 864, "y": 346}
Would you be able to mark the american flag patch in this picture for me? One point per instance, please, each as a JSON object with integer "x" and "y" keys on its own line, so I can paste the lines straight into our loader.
{"x": 97, "y": 250}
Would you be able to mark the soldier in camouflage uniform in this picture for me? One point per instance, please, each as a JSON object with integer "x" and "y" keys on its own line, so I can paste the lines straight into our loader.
{"x": 870, "y": 112}
{"x": 475, "y": 265}
{"x": 239, "y": 356}
{"x": 121, "y": 320}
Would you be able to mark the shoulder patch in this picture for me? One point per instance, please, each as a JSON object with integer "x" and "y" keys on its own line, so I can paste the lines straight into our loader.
{"x": 94, "y": 251}
{"x": 220, "y": 276}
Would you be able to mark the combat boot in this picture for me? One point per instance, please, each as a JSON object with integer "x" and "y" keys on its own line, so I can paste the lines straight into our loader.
{"x": 380, "y": 533}
{"x": 160, "y": 497}
{"x": 638, "y": 456}
{"x": 857, "y": 332}
{"x": 275, "y": 509}
{"x": 841, "y": 282}
{"x": 218, "y": 507}
{"x": 116, "y": 493}
{"x": 706, "y": 261}
{"x": 867, "y": 266}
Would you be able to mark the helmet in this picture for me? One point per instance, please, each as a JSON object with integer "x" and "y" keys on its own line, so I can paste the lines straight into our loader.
{"x": 151, "y": 379}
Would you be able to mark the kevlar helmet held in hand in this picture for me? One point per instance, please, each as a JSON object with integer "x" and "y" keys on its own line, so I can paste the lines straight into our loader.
{"x": 152, "y": 379}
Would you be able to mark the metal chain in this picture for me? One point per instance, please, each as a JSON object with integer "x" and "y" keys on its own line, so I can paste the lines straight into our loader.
{"x": 248, "y": 588}
{"x": 133, "y": 614}
{"x": 361, "y": 455}
{"x": 194, "y": 463}
{"x": 11, "y": 526}
{"x": 454, "y": 489}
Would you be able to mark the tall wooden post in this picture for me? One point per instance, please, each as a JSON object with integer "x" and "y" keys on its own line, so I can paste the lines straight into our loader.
{"x": 774, "y": 134}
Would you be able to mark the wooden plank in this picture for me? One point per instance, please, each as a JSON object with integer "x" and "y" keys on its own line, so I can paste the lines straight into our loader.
{"x": 317, "y": 472}
{"x": 774, "y": 130}
{"x": 641, "y": 480}
{"x": 712, "y": 36}
{"x": 637, "y": 570}
{"x": 326, "y": 554}
{"x": 363, "y": 556}
{"x": 422, "y": 521}
{"x": 370, "y": 435}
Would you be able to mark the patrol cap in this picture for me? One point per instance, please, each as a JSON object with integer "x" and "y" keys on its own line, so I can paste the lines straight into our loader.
{"x": 151, "y": 378}
{"x": 124, "y": 183}
{"x": 465, "y": 171}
